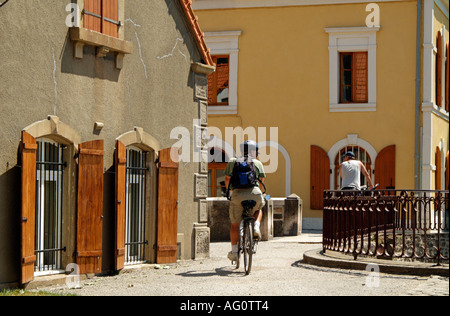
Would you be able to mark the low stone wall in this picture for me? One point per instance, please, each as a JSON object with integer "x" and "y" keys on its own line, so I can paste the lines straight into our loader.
{"x": 281, "y": 217}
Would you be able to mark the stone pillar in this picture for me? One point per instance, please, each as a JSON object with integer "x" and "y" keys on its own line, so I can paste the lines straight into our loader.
{"x": 201, "y": 234}
{"x": 219, "y": 219}
{"x": 266, "y": 227}
{"x": 292, "y": 222}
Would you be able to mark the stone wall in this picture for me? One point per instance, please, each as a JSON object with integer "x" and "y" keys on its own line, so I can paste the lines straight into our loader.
{"x": 281, "y": 217}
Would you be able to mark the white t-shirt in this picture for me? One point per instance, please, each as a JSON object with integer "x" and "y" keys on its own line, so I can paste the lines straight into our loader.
{"x": 351, "y": 174}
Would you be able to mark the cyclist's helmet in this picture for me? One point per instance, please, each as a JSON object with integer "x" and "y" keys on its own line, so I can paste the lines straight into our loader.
{"x": 249, "y": 145}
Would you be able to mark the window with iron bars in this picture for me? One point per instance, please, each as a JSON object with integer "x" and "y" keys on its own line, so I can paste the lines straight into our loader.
{"x": 361, "y": 155}
{"x": 136, "y": 192}
{"x": 49, "y": 203}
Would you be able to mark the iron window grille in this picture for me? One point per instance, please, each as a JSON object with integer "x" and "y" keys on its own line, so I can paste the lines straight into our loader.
{"x": 49, "y": 203}
{"x": 136, "y": 188}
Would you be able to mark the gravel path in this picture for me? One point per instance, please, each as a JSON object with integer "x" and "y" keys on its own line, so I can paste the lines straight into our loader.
{"x": 277, "y": 271}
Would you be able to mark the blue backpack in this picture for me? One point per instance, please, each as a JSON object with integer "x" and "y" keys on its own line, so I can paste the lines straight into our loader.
{"x": 244, "y": 174}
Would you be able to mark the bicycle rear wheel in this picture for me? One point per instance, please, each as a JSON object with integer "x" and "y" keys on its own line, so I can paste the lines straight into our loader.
{"x": 247, "y": 246}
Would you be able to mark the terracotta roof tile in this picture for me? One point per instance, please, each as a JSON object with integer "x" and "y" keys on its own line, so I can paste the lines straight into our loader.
{"x": 197, "y": 32}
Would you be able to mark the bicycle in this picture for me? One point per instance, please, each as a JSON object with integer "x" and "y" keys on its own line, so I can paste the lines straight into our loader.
{"x": 247, "y": 244}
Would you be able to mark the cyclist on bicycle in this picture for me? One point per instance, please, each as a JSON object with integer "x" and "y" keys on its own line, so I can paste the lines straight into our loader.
{"x": 250, "y": 151}
{"x": 350, "y": 171}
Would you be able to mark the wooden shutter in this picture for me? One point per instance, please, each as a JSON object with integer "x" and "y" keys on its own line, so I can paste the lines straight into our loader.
{"x": 90, "y": 206}
{"x": 29, "y": 149}
{"x": 166, "y": 250}
{"x": 385, "y": 168}
{"x": 439, "y": 70}
{"x": 92, "y": 18}
{"x": 437, "y": 176}
{"x": 120, "y": 168}
{"x": 447, "y": 81}
{"x": 320, "y": 176}
{"x": 110, "y": 13}
{"x": 101, "y": 16}
{"x": 360, "y": 78}
{"x": 447, "y": 171}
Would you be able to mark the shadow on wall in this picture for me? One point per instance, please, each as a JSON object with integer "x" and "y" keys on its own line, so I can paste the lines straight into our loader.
{"x": 10, "y": 209}
{"x": 90, "y": 66}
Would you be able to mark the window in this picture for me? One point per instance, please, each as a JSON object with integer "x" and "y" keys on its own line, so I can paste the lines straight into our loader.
{"x": 224, "y": 44}
{"x": 49, "y": 202}
{"x": 361, "y": 155}
{"x": 437, "y": 177}
{"x": 353, "y": 77}
{"x": 447, "y": 81}
{"x": 353, "y": 88}
{"x": 136, "y": 173}
{"x": 216, "y": 173}
{"x": 102, "y": 16}
{"x": 439, "y": 65}
{"x": 218, "y": 81}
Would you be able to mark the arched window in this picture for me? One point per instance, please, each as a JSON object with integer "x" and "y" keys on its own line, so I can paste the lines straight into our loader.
{"x": 216, "y": 173}
{"x": 360, "y": 154}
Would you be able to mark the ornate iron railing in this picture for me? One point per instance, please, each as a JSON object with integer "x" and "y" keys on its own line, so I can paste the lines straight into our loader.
{"x": 391, "y": 224}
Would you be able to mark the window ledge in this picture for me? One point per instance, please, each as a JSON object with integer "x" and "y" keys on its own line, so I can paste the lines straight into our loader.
{"x": 222, "y": 109}
{"x": 104, "y": 44}
{"x": 353, "y": 107}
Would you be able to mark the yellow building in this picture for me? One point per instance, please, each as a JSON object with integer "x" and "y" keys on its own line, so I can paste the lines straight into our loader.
{"x": 328, "y": 76}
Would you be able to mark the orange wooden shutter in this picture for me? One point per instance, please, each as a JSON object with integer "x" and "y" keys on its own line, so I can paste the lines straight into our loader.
{"x": 90, "y": 206}
{"x": 385, "y": 168}
{"x": 447, "y": 82}
{"x": 166, "y": 250}
{"x": 437, "y": 176}
{"x": 120, "y": 167}
{"x": 29, "y": 149}
{"x": 439, "y": 70}
{"x": 92, "y": 22}
{"x": 360, "y": 77}
{"x": 446, "y": 172}
{"x": 320, "y": 176}
{"x": 110, "y": 13}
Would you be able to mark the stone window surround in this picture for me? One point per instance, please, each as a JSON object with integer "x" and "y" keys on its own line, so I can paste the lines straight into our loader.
{"x": 104, "y": 43}
{"x": 226, "y": 43}
{"x": 352, "y": 39}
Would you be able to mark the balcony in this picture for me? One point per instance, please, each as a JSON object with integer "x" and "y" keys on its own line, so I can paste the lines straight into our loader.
{"x": 401, "y": 225}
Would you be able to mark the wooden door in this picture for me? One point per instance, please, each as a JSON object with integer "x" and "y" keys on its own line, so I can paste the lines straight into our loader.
{"x": 385, "y": 168}
{"x": 167, "y": 222}
{"x": 120, "y": 168}
{"x": 28, "y": 257}
{"x": 90, "y": 207}
{"x": 320, "y": 176}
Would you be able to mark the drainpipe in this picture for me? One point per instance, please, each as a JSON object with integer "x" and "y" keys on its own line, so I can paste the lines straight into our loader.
{"x": 417, "y": 105}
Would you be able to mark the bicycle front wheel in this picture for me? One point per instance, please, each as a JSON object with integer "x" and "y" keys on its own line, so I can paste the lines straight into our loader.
{"x": 248, "y": 247}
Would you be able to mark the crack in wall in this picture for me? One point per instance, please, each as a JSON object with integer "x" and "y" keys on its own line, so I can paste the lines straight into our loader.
{"x": 139, "y": 46}
{"x": 177, "y": 40}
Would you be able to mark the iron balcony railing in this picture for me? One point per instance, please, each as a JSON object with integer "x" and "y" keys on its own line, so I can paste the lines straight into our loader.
{"x": 392, "y": 224}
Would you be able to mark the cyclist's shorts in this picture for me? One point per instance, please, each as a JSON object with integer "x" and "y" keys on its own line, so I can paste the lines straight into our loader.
{"x": 240, "y": 195}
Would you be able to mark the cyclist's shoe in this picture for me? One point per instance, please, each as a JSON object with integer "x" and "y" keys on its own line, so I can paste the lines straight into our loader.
{"x": 233, "y": 256}
{"x": 256, "y": 232}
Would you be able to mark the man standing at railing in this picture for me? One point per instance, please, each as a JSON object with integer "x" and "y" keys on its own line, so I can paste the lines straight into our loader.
{"x": 350, "y": 171}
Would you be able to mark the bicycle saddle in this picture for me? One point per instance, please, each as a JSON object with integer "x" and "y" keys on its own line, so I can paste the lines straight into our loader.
{"x": 248, "y": 204}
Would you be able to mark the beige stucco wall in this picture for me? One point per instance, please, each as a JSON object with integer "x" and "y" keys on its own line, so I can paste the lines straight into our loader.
{"x": 283, "y": 81}
{"x": 39, "y": 77}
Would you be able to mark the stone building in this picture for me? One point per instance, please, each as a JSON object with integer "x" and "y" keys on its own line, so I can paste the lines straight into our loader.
{"x": 91, "y": 91}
